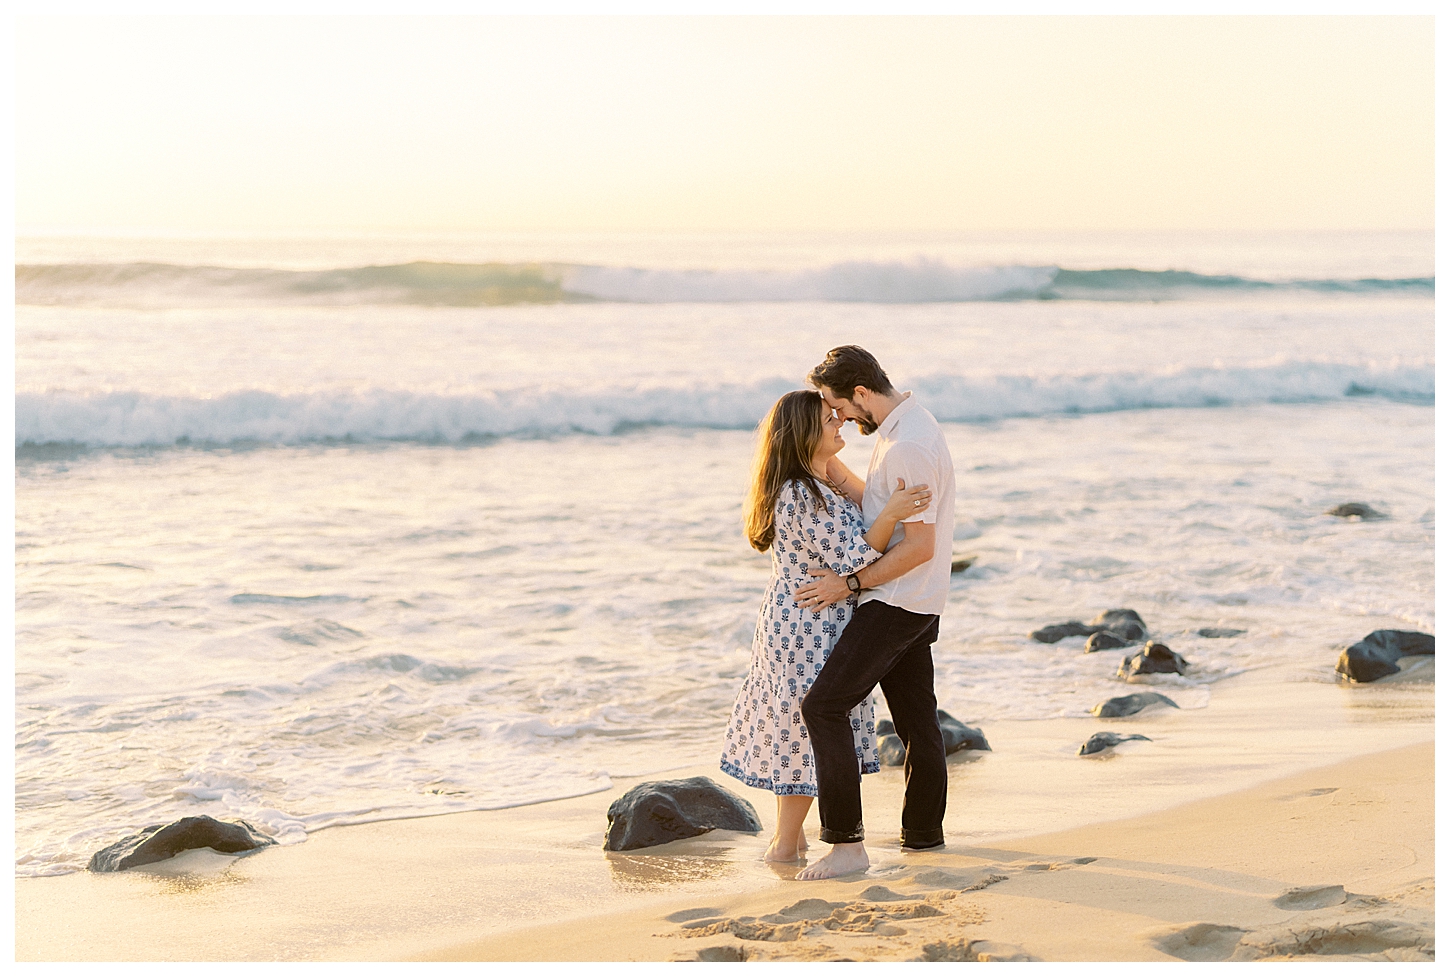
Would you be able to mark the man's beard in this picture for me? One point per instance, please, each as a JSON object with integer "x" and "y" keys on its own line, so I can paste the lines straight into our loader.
{"x": 865, "y": 425}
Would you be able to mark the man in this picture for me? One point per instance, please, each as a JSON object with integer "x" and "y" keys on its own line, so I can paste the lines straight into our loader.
{"x": 888, "y": 640}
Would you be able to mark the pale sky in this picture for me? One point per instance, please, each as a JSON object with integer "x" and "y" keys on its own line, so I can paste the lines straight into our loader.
{"x": 724, "y": 123}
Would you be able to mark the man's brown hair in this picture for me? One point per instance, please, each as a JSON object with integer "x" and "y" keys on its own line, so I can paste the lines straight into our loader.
{"x": 847, "y": 367}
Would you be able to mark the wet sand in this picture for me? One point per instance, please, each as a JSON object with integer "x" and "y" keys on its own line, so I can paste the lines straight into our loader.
{"x": 1335, "y": 864}
{"x": 1187, "y": 847}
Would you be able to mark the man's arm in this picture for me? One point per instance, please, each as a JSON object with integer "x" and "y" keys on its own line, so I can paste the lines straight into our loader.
{"x": 916, "y": 549}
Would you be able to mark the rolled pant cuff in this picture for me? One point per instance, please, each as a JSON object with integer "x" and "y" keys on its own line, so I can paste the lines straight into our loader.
{"x": 843, "y": 837}
{"x": 920, "y": 839}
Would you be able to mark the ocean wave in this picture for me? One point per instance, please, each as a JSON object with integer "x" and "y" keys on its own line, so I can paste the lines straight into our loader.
{"x": 425, "y": 283}
{"x": 255, "y": 417}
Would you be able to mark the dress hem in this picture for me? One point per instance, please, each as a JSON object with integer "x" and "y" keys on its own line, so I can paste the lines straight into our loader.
{"x": 782, "y": 790}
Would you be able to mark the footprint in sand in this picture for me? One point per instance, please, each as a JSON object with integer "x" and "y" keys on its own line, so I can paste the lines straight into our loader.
{"x": 1385, "y": 939}
{"x": 1057, "y": 866}
{"x": 879, "y": 893}
{"x": 1314, "y": 792}
{"x": 808, "y": 915}
{"x": 1388, "y": 929}
{"x": 969, "y": 880}
{"x": 1311, "y": 897}
{"x": 974, "y": 951}
{"x": 1197, "y": 941}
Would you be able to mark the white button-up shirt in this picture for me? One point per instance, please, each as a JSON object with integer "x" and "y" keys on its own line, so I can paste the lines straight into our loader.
{"x": 910, "y": 445}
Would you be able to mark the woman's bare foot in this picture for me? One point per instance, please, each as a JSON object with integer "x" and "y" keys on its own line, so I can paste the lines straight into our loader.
{"x": 778, "y": 852}
{"x": 840, "y": 860}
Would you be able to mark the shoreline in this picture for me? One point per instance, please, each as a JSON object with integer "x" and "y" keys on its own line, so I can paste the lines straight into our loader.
{"x": 476, "y": 884}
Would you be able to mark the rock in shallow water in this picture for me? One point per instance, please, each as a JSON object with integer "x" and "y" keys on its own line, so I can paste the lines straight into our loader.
{"x": 1154, "y": 659}
{"x": 1098, "y": 742}
{"x": 1104, "y": 641}
{"x": 956, "y": 735}
{"x": 1121, "y": 621}
{"x": 1220, "y": 632}
{"x": 1350, "y": 510}
{"x": 1054, "y": 633}
{"x": 1127, "y": 705}
{"x": 1377, "y": 654}
{"x": 158, "y": 843}
{"x": 668, "y": 810}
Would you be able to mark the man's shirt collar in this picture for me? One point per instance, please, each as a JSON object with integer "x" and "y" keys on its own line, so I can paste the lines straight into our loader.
{"x": 897, "y": 413}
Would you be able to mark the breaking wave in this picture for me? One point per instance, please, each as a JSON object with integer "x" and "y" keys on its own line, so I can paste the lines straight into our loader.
{"x": 445, "y": 284}
{"x": 135, "y": 419}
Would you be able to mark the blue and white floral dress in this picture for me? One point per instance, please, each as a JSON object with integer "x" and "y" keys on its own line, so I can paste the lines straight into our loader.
{"x": 766, "y": 743}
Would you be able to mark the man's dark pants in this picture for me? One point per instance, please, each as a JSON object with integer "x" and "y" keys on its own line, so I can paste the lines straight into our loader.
{"x": 889, "y": 646}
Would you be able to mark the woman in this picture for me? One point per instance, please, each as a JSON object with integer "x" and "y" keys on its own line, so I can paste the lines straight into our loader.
{"x": 794, "y": 510}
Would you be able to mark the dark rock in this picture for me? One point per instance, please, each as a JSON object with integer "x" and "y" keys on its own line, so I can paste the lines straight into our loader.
{"x": 1098, "y": 742}
{"x": 667, "y": 810}
{"x": 1375, "y": 655}
{"x": 959, "y": 736}
{"x": 1054, "y": 633}
{"x": 955, "y": 735}
{"x": 1104, "y": 641}
{"x": 1155, "y": 658}
{"x": 158, "y": 843}
{"x": 1124, "y": 623}
{"x": 891, "y": 750}
{"x": 1127, "y": 705}
{"x": 1220, "y": 632}
{"x": 1351, "y": 509}
{"x": 1121, "y": 621}
{"x": 961, "y": 563}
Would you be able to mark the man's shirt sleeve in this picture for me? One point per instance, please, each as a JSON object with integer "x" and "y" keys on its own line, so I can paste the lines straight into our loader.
{"x": 912, "y": 463}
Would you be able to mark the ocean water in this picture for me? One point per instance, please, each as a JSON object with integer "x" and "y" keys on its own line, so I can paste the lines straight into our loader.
{"x": 318, "y": 531}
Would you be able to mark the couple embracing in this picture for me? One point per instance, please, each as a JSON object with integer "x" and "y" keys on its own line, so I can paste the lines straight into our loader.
{"x": 861, "y": 573}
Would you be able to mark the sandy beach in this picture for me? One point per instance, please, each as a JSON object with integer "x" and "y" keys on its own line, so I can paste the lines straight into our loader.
{"x": 1227, "y": 836}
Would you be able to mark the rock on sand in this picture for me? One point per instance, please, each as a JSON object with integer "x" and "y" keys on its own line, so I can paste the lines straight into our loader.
{"x": 1378, "y": 653}
{"x": 1098, "y": 742}
{"x": 1127, "y": 705}
{"x": 667, "y": 810}
{"x": 956, "y": 735}
{"x": 158, "y": 843}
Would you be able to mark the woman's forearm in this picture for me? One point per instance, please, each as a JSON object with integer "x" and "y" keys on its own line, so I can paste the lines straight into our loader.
{"x": 849, "y": 482}
{"x": 879, "y": 535}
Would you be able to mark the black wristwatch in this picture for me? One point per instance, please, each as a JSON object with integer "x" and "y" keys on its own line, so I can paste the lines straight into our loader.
{"x": 853, "y": 584}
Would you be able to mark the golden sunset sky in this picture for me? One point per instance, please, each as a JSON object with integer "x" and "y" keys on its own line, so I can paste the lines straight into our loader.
{"x": 724, "y": 123}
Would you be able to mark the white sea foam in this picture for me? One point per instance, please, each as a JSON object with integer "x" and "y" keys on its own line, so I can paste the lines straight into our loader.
{"x": 135, "y": 419}
{"x": 924, "y": 281}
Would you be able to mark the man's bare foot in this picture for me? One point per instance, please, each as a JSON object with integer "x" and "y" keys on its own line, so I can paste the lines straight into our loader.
{"x": 840, "y": 860}
{"x": 778, "y": 852}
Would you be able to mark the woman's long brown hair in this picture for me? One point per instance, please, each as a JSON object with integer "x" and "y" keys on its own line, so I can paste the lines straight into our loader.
{"x": 785, "y": 441}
